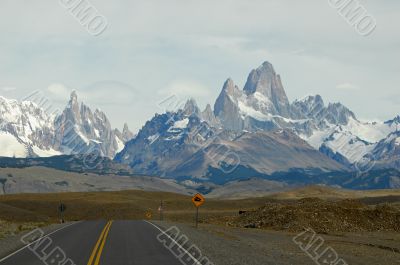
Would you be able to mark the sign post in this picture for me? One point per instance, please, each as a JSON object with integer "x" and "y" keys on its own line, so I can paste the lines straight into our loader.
{"x": 198, "y": 200}
{"x": 197, "y": 217}
{"x": 160, "y": 209}
{"x": 61, "y": 210}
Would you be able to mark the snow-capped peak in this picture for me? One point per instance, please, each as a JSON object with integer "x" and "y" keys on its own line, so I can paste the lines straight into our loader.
{"x": 25, "y": 126}
{"x": 34, "y": 132}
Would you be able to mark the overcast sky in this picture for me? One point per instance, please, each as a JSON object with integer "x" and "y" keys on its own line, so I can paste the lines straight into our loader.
{"x": 153, "y": 49}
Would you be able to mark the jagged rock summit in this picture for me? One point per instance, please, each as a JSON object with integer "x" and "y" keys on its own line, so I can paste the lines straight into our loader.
{"x": 81, "y": 130}
{"x": 266, "y": 82}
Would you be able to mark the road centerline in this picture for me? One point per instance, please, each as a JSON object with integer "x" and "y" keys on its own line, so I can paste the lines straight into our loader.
{"x": 100, "y": 242}
{"x": 102, "y": 245}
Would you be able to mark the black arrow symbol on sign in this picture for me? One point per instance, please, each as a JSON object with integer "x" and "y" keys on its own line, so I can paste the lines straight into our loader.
{"x": 197, "y": 199}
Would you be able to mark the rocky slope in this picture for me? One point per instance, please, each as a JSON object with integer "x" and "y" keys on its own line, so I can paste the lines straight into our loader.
{"x": 260, "y": 152}
{"x": 386, "y": 153}
{"x": 39, "y": 179}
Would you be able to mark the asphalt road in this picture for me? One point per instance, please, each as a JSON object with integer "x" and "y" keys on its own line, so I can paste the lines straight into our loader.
{"x": 99, "y": 243}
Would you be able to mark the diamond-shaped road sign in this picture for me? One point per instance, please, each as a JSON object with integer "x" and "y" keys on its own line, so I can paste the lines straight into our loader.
{"x": 198, "y": 200}
{"x": 148, "y": 215}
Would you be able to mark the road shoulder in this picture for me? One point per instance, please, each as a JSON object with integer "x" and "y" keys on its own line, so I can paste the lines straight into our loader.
{"x": 13, "y": 243}
{"x": 230, "y": 246}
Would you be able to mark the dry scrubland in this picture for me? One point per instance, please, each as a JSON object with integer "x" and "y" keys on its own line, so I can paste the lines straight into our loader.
{"x": 14, "y": 228}
{"x": 114, "y": 205}
{"x": 326, "y": 210}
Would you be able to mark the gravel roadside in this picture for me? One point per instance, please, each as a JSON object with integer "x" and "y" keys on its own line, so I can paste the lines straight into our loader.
{"x": 12, "y": 243}
{"x": 235, "y": 246}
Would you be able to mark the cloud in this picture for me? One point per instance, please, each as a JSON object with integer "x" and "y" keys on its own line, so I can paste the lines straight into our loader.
{"x": 176, "y": 94}
{"x": 393, "y": 99}
{"x": 102, "y": 92}
{"x": 297, "y": 52}
{"x": 8, "y": 89}
{"x": 347, "y": 86}
{"x": 186, "y": 88}
{"x": 218, "y": 42}
{"x": 59, "y": 91}
{"x": 110, "y": 92}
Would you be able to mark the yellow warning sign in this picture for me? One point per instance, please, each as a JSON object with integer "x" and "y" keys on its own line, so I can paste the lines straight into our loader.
{"x": 198, "y": 200}
{"x": 148, "y": 215}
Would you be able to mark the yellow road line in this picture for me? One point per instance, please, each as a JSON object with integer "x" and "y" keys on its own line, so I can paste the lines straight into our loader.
{"x": 102, "y": 245}
{"x": 98, "y": 244}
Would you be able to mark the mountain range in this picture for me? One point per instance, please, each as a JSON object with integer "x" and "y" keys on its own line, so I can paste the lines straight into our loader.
{"x": 27, "y": 130}
{"x": 257, "y": 129}
{"x": 250, "y": 132}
